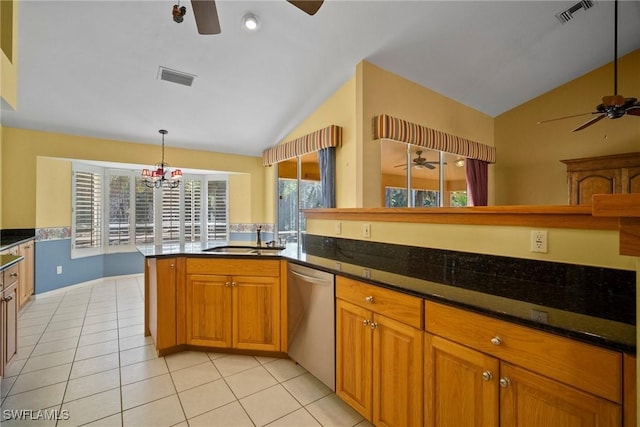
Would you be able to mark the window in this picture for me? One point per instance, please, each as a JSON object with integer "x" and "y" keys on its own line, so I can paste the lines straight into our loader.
{"x": 434, "y": 178}
{"x": 129, "y": 213}
{"x": 87, "y": 210}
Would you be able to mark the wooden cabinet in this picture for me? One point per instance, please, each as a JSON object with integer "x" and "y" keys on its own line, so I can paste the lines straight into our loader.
{"x": 614, "y": 174}
{"x": 9, "y": 315}
{"x": 232, "y": 303}
{"x": 161, "y": 290}
{"x": 480, "y": 370}
{"x": 379, "y": 353}
{"x": 26, "y": 284}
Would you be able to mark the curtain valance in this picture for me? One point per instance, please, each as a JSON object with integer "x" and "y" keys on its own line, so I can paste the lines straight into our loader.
{"x": 331, "y": 136}
{"x": 387, "y": 127}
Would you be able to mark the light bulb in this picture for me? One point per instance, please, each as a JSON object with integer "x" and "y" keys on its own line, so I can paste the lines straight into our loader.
{"x": 251, "y": 22}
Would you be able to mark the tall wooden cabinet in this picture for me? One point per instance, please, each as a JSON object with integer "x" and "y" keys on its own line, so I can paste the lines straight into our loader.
{"x": 379, "y": 353}
{"x": 9, "y": 315}
{"x": 614, "y": 174}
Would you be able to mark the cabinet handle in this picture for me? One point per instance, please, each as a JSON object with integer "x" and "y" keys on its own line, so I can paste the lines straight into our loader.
{"x": 369, "y": 299}
{"x": 234, "y": 284}
{"x": 7, "y": 299}
{"x": 373, "y": 325}
{"x": 365, "y": 322}
{"x": 505, "y": 382}
{"x": 172, "y": 265}
{"x": 496, "y": 340}
{"x": 14, "y": 275}
{"x": 227, "y": 284}
{"x": 487, "y": 376}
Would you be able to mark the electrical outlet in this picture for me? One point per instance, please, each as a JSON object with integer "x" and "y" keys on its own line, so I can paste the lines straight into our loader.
{"x": 338, "y": 266}
{"x": 59, "y": 269}
{"x": 539, "y": 316}
{"x": 366, "y": 273}
{"x": 539, "y": 241}
{"x": 338, "y": 227}
{"x": 366, "y": 230}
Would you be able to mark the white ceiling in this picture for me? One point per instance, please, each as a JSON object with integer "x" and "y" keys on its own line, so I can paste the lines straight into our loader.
{"x": 90, "y": 67}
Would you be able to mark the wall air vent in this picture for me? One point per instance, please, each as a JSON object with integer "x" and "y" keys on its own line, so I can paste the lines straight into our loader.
{"x": 567, "y": 14}
{"x": 174, "y": 76}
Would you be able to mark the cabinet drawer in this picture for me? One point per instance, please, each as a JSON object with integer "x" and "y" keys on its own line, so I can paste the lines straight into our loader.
{"x": 580, "y": 365}
{"x": 10, "y": 275}
{"x": 233, "y": 266}
{"x": 396, "y": 305}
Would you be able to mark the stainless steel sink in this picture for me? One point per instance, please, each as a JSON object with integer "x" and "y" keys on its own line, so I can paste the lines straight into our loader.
{"x": 245, "y": 250}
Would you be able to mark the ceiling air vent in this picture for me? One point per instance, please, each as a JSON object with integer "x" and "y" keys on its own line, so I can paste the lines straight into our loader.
{"x": 174, "y": 76}
{"x": 567, "y": 14}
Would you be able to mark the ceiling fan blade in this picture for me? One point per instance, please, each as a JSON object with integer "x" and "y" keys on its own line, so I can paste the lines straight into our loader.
{"x": 206, "y": 16}
{"x": 566, "y": 117}
{"x": 590, "y": 122}
{"x": 310, "y": 7}
{"x": 634, "y": 111}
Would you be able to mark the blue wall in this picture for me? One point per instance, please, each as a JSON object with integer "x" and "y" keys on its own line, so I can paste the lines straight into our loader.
{"x": 51, "y": 253}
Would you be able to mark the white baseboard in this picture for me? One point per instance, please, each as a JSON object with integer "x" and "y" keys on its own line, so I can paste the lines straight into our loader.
{"x": 59, "y": 291}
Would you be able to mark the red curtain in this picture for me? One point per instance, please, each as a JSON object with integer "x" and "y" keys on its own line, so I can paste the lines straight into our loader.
{"x": 477, "y": 182}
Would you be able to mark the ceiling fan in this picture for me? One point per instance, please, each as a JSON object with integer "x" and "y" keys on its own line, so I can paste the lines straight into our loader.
{"x": 420, "y": 162}
{"x": 206, "y": 14}
{"x": 612, "y": 106}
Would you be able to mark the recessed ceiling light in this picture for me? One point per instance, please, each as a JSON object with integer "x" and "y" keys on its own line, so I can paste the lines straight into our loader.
{"x": 250, "y": 22}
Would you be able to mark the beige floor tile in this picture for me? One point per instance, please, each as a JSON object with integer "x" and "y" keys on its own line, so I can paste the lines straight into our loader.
{"x": 250, "y": 381}
{"x": 60, "y": 334}
{"x": 39, "y": 398}
{"x": 185, "y": 359}
{"x": 134, "y": 341}
{"x": 44, "y": 361}
{"x": 5, "y": 385}
{"x": 68, "y": 315}
{"x": 160, "y": 413}
{"x": 129, "y": 331}
{"x": 233, "y": 364}
{"x": 94, "y": 328}
{"x": 54, "y": 346}
{"x": 137, "y": 354}
{"x": 299, "y": 418}
{"x": 231, "y": 414}
{"x": 111, "y": 421}
{"x": 31, "y": 330}
{"x": 98, "y": 337}
{"x": 90, "y": 320}
{"x": 41, "y": 378}
{"x": 64, "y": 324}
{"x": 28, "y": 340}
{"x": 34, "y": 321}
{"x": 143, "y": 370}
{"x": 146, "y": 391}
{"x": 95, "y": 350}
{"x": 130, "y": 321}
{"x": 204, "y": 398}
{"x": 15, "y": 367}
{"x": 306, "y": 388}
{"x": 136, "y": 312}
{"x": 332, "y": 411}
{"x": 94, "y": 365}
{"x": 269, "y": 405}
{"x": 194, "y": 376}
{"x": 91, "y": 408}
{"x": 24, "y": 352}
{"x": 284, "y": 369}
{"x": 92, "y": 384}
{"x": 41, "y": 418}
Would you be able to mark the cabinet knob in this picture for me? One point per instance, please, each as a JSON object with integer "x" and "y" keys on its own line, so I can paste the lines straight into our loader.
{"x": 172, "y": 265}
{"x": 7, "y": 299}
{"x": 14, "y": 275}
{"x": 496, "y": 340}
{"x": 487, "y": 376}
{"x": 373, "y": 325}
{"x": 505, "y": 382}
{"x": 365, "y": 322}
{"x": 369, "y": 299}
{"x": 233, "y": 284}
{"x": 227, "y": 284}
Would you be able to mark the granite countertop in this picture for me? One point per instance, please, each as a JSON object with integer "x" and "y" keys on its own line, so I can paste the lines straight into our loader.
{"x": 605, "y": 332}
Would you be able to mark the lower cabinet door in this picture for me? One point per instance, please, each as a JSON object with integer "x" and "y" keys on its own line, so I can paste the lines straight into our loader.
{"x": 530, "y": 400}
{"x": 256, "y": 313}
{"x": 461, "y": 385}
{"x": 397, "y": 373}
{"x": 10, "y": 323}
{"x": 209, "y": 310}
{"x": 354, "y": 359}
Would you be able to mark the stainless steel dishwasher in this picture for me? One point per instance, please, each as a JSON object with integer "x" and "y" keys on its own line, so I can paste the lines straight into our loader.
{"x": 311, "y": 305}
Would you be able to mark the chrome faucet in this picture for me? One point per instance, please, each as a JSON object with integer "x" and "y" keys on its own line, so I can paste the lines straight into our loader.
{"x": 258, "y": 240}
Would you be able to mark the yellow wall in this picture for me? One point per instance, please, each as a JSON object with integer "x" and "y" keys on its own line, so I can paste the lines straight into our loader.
{"x": 27, "y": 180}
{"x": 338, "y": 110}
{"x": 528, "y": 170}
{"x": 8, "y": 66}
{"x": 383, "y": 92}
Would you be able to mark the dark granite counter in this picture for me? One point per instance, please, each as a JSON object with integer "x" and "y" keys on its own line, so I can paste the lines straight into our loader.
{"x": 13, "y": 237}
{"x": 593, "y": 305}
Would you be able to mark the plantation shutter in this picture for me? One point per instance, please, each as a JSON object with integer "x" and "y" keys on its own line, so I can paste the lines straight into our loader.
{"x": 192, "y": 210}
{"x": 119, "y": 225}
{"x": 217, "y": 210}
{"x": 170, "y": 215}
{"x": 145, "y": 218}
{"x": 87, "y": 210}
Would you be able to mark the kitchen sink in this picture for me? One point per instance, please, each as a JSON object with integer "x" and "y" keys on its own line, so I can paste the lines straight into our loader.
{"x": 245, "y": 250}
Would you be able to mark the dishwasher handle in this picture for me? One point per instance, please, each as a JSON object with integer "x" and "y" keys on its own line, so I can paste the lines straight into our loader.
{"x": 310, "y": 278}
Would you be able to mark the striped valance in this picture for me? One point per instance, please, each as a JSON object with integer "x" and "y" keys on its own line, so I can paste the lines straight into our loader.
{"x": 387, "y": 127}
{"x": 331, "y": 136}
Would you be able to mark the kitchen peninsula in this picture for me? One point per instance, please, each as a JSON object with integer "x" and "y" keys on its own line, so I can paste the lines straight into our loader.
{"x": 477, "y": 309}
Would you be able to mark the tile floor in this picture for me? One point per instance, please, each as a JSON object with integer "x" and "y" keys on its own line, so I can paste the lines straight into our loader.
{"x": 83, "y": 359}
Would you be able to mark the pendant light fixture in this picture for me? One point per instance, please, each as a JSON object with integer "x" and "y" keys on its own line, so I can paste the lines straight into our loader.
{"x": 162, "y": 174}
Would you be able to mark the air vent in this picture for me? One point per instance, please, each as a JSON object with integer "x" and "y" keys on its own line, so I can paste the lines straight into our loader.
{"x": 567, "y": 14}
{"x": 174, "y": 76}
